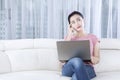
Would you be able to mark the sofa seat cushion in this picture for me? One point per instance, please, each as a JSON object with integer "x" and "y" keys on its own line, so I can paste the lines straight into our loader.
{"x": 53, "y": 75}
{"x": 108, "y": 76}
{"x": 31, "y": 75}
{"x": 65, "y": 78}
{"x": 101, "y": 76}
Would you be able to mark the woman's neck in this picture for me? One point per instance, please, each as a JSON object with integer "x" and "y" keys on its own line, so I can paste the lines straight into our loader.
{"x": 81, "y": 34}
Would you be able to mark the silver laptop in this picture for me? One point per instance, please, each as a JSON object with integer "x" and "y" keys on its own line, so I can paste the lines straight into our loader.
{"x": 69, "y": 49}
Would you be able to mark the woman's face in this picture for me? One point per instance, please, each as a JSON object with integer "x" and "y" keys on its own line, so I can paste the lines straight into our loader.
{"x": 77, "y": 22}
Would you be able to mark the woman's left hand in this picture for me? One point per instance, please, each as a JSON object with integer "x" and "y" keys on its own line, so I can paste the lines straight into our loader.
{"x": 94, "y": 60}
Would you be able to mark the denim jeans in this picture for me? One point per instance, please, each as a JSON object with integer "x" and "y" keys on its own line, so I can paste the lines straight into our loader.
{"x": 78, "y": 70}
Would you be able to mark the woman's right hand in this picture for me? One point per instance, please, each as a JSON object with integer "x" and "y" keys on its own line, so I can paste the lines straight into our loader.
{"x": 70, "y": 33}
{"x": 70, "y": 30}
{"x": 62, "y": 63}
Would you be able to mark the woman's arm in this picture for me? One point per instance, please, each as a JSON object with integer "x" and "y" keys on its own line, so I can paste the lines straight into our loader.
{"x": 69, "y": 34}
{"x": 96, "y": 57}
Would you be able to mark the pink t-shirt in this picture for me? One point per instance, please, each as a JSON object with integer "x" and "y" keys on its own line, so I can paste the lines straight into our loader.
{"x": 92, "y": 38}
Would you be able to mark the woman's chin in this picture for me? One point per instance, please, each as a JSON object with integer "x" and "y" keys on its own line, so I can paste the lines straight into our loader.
{"x": 78, "y": 30}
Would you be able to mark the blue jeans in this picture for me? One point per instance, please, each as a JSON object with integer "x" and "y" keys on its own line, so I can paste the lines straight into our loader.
{"x": 78, "y": 70}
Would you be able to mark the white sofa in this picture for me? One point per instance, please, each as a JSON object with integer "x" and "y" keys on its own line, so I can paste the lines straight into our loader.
{"x": 37, "y": 59}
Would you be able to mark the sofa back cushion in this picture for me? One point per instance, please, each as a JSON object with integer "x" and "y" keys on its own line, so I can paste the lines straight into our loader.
{"x": 45, "y": 43}
{"x": 110, "y": 44}
{"x": 2, "y": 48}
{"x": 40, "y": 54}
{"x": 109, "y": 55}
{"x": 47, "y": 53}
{"x": 18, "y": 44}
{"x": 48, "y": 59}
{"x": 20, "y": 54}
{"x": 25, "y": 59}
{"x": 33, "y": 59}
{"x": 28, "y": 54}
{"x": 109, "y": 61}
{"x": 4, "y": 63}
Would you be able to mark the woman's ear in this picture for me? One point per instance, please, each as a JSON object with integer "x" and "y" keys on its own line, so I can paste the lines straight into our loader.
{"x": 70, "y": 25}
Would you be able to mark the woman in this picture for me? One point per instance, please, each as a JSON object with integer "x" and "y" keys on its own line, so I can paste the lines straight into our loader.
{"x": 76, "y": 67}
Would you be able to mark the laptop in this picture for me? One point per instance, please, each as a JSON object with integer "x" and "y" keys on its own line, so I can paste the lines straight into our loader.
{"x": 69, "y": 49}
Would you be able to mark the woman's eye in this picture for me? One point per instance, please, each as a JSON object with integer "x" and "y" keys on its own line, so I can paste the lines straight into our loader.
{"x": 78, "y": 19}
{"x": 73, "y": 22}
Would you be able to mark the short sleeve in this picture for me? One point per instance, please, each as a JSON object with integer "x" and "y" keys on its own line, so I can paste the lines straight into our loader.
{"x": 65, "y": 37}
{"x": 95, "y": 40}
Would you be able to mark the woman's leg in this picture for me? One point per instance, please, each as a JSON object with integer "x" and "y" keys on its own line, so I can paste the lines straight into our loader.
{"x": 77, "y": 67}
{"x": 74, "y": 77}
{"x": 90, "y": 70}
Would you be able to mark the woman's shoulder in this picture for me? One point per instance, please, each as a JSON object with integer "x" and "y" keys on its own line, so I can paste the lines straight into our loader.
{"x": 94, "y": 38}
{"x": 92, "y": 35}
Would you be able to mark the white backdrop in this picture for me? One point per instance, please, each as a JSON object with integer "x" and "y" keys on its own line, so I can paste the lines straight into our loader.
{"x": 48, "y": 18}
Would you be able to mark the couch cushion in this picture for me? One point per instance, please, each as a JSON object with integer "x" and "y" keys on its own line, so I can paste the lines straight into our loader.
{"x": 33, "y": 59}
{"x": 48, "y": 59}
{"x": 18, "y": 44}
{"x": 108, "y": 76}
{"x": 2, "y": 46}
{"x": 25, "y": 59}
{"x": 4, "y": 63}
{"x": 31, "y": 75}
{"x": 65, "y": 78}
{"x": 109, "y": 61}
{"x": 45, "y": 43}
{"x": 110, "y": 44}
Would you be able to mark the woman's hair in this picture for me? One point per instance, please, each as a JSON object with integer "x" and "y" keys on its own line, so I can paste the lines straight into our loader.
{"x": 73, "y": 13}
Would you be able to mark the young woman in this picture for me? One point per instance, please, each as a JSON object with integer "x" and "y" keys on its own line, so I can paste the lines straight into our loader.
{"x": 76, "y": 67}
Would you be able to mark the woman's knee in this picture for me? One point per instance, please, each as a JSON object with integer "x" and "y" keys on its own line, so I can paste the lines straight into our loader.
{"x": 76, "y": 62}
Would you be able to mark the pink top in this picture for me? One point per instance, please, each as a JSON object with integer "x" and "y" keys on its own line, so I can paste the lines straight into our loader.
{"x": 92, "y": 38}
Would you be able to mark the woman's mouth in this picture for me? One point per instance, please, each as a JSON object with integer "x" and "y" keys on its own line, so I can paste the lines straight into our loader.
{"x": 78, "y": 27}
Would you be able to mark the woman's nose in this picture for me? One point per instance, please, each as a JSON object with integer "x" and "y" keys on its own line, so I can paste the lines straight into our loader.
{"x": 78, "y": 23}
